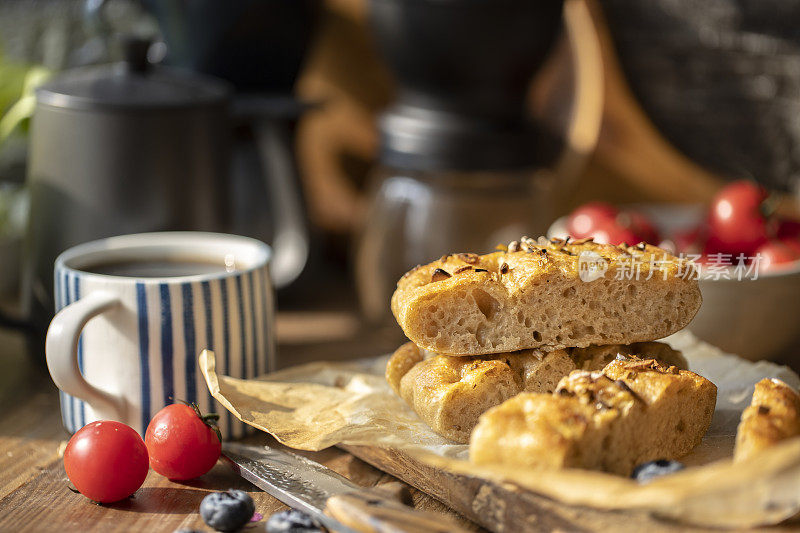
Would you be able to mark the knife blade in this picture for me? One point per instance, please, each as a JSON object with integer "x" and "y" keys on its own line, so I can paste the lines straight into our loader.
{"x": 295, "y": 480}
{"x": 313, "y": 488}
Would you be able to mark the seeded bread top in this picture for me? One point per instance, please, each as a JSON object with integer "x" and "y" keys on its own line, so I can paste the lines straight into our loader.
{"x": 613, "y": 386}
{"x": 526, "y": 258}
{"x": 535, "y": 294}
{"x": 632, "y": 411}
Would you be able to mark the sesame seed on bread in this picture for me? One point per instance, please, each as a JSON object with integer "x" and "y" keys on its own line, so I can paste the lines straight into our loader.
{"x": 631, "y": 412}
{"x": 531, "y": 296}
{"x": 450, "y": 393}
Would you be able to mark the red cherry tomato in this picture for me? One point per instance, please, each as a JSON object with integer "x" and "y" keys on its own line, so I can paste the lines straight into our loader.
{"x": 582, "y": 222}
{"x": 106, "y": 461}
{"x": 736, "y": 221}
{"x": 691, "y": 241}
{"x": 609, "y": 232}
{"x": 776, "y": 255}
{"x": 787, "y": 229}
{"x": 181, "y": 443}
{"x": 788, "y": 232}
{"x": 794, "y": 244}
{"x": 640, "y": 226}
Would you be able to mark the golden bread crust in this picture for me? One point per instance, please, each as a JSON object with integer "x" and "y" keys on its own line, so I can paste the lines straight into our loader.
{"x": 468, "y": 304}
{"x": 773, "y": 416}
{"x": 450, "y": 393}
{"x": 597, "y": 357}
{"x": 629, "y": 413}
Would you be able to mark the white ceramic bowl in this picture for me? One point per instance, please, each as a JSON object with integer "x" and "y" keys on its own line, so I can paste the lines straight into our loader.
{"x": 754, "y": 318}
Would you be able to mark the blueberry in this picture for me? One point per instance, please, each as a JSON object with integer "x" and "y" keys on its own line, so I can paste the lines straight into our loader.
{"x": 227, "y": 511}
{"x": 292, "y": 521}
{"x": 652, "y": 469}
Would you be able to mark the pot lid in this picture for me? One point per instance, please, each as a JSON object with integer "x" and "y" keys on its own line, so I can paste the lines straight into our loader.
{"x": 132, "y": 84}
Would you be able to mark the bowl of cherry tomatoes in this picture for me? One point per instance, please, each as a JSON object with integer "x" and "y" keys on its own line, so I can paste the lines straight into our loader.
{"x": 748, "y": 261}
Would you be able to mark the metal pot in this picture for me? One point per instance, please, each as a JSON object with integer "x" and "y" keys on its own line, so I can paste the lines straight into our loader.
{"x": 130, "y": 148}
{"x": 123, "y": 148}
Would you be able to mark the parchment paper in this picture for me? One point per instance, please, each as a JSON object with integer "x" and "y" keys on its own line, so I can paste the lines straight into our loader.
{"x": 313, "y": 406}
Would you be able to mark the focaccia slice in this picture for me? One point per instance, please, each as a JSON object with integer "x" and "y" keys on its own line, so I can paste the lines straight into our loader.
{"x": 450, "y": 393}
{"x": 773, "y": 416}
{"x": 629, "y": 413}
{"x": 597, "y": 357}
{"x": 534, "y": 296}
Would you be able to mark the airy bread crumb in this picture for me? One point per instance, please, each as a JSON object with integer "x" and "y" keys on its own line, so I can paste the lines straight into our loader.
{"x": 468, "y": 304}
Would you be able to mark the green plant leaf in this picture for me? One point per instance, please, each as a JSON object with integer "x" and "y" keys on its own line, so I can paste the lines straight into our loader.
{"x": 22, "y": 109}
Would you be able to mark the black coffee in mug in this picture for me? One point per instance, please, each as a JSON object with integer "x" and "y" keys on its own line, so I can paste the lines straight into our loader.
{"x": 158, "y": 268}
{"x": 164, "y": 299}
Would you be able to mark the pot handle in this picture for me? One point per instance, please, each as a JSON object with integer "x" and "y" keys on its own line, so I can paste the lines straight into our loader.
{"x": 290, "y": 244}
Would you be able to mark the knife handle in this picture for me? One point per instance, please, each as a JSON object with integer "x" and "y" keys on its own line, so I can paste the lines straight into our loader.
{"x": 379, "y": 510}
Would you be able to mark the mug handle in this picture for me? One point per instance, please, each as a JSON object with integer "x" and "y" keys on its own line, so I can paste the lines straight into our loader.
{"x": 61, "y": 349}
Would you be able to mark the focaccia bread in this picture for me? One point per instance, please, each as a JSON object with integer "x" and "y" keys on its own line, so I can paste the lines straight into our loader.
{"x": 533, "y": 296}
{"x": 597, "y": 357}
{"x": 629, "y": 413}
{"x": 450, "y": 393}
{"x": 773, "y": 416}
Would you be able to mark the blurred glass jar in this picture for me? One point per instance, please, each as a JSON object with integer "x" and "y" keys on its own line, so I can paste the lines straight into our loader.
{"x": 463, "y": 167}
{"x": 417, "y": 216}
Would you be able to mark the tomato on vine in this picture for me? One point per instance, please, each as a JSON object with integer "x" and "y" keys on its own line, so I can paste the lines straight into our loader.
{"x": 183, "y": 443}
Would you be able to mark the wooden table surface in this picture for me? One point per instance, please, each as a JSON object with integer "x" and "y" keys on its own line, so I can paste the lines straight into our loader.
{"x": 35, "y": 493}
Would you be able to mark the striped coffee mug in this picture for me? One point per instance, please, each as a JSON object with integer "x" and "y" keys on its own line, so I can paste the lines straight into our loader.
{"x": 135, "y": 311}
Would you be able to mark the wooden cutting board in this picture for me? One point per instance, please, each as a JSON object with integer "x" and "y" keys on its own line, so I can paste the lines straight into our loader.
{"x": 506, "y": 508}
